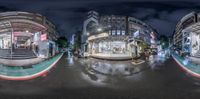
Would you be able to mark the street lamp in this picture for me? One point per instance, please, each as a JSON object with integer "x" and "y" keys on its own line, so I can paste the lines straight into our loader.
{"x": 163, "y": 44}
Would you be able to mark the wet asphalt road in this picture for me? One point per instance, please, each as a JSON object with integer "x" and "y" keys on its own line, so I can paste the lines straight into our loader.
{"x": 80, "y": 79}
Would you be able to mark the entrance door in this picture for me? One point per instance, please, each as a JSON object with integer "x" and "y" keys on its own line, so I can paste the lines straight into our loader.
{"x": 50, "y": 49}
{"x": 22, "y": 42}
{"x": 198, "y": 43}
{"x": 134, "y": 51}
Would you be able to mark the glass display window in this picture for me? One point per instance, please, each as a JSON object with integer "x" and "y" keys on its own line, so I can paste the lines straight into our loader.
{"x": 118, "y": 47}
{"x": 5, "y": 40}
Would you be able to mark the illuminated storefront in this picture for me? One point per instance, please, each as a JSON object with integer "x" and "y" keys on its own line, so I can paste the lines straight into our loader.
{"x": 187, "y": 35}
{"x": 26, "y": 35}
{"x": 195, "y": 44}
{"x": 5, "y": 40}
{"x": 116, "y": 36}
{"x": 191, "y": 46}
{"x": 186, "y": 38}
{"x": 116, "y": 48}
{"x": 108, "y": 47}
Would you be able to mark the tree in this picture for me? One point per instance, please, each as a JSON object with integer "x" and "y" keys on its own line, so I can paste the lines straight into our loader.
{"x": 143, "y": 46}
{"x": 77, "y": 41}
{"x": 164, "y": 41}
{"x": 62, "y": 42}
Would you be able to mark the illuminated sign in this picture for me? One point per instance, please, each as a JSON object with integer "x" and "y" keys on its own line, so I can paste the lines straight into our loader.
{"x": 153, "y": 41}
{"x": 43, "y": 37}
{"x": 98, "y": 36}
{"x": 36, "y": 37}
{"x": 152, "y": 35}
{"x": 136, "y": 34}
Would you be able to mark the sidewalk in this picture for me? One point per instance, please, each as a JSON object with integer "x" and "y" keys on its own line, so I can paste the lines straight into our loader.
{"x": 33, "y": 71}
{"x": 112, "y": 56}
{"x": 195, "y": 60}
{"x": 21, "y": 62}
{"x": 188, "y": 66}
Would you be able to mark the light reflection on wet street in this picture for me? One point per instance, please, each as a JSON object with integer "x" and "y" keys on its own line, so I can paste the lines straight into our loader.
{"x": 101, "y": 79}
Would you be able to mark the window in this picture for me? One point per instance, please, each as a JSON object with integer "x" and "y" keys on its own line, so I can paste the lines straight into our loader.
{"x": 118, "y": 32}
{"x": 123, "y": 32}
{"x": 109, "y": 32}
{"x": 113, "y": 32}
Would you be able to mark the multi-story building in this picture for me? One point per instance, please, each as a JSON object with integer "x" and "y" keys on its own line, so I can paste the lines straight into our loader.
{"x": 117, "y": 37}
{"x": 26, "y": 35}
{"x": 114, "y": 25}
{"x": 186, "y": 36}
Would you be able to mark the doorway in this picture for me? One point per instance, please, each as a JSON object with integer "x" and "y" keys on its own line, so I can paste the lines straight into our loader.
{"x": 50, "y": 49}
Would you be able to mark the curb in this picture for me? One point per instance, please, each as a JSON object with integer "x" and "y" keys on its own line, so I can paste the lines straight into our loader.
{"x": 185, "y": 69}
{"x": 28, "y": 77}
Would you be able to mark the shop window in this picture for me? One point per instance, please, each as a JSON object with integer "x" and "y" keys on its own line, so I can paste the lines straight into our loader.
{"x": 118, "y": 47}
{"x": 118, "y": 32}
{"x": 113, "y": 32}
{"x": 5, "y": 41}
{"x": 123, "y": 32}
{"x": 109, "y": 32}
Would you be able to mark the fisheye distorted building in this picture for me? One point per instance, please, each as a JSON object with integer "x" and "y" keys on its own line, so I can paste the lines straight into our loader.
{"x": 26, "y": 35}
{"x": 116, "y": 36}
{"x": 186, "y": 37}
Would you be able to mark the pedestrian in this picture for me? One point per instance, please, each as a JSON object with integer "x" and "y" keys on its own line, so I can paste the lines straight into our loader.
{"x": 146, "y": 55}
{"x": 37, "y": 49}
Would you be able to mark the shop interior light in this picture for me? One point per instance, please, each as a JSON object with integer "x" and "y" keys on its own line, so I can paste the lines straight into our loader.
{"x": 27, "y": 31}
{"x": 88, "y": 34}
{"x": 99, "y": 29}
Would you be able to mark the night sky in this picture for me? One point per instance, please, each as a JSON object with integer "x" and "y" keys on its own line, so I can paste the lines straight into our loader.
{"x": 68, "y": 15}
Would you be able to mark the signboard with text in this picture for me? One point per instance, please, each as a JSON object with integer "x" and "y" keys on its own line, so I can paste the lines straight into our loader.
{"x": 43, "y": 37}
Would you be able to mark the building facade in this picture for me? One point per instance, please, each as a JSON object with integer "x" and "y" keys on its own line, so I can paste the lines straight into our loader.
{"x": 118, "y": 37}
{"x": 27, "y": 35}
{"x": 187, "y": 34}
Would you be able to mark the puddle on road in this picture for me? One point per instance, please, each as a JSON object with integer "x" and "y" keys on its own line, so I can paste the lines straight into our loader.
{"x": 109, "y": 73}
{"x": 105, "y": 71}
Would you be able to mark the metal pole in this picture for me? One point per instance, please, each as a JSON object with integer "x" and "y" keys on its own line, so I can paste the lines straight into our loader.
{"x": 11, "y": 41}
{"x": 110, "y": 48}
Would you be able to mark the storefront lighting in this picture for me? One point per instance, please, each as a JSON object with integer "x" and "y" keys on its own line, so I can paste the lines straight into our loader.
{"x": 88, "y": 34}
{"x": 185, "y": 62}
{"x": 43, "y": 37}
{"x": 99, "y": 29}
{"x": 27, "y": 31}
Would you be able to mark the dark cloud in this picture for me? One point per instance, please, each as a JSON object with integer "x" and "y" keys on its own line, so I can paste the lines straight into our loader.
{"x": 68, "y": 15}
